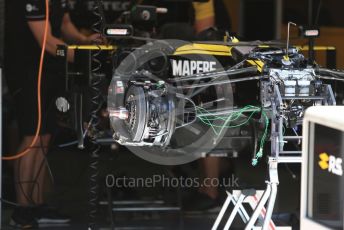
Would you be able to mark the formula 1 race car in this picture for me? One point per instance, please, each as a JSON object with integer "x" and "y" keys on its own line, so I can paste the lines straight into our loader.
{"x": 164, "y": 87}
{"x": 167, "y": 85}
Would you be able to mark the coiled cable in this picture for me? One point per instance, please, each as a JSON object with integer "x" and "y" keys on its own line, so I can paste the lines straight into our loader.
{"x": 95, "y": 81}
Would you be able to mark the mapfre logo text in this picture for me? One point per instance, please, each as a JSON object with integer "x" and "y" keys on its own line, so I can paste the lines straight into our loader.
{"x": 187, "y": 68}
{"x": 331, "y": 163}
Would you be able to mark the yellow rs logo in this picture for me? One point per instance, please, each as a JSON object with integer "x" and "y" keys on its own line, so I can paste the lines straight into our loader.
{"x": 323, "y": 163}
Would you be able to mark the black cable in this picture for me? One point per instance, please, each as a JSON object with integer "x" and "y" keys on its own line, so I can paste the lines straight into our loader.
{"x": 13, "y": 203}
{"x": 40, "y": 167}
{"x": 96, "y": 95}
{"x": 44, "y": 153}
{"x": 203, "y": 86}
{"x": 198, "y": 91}
{"x": 318, "y": 14}
{"x": 34, "y": 182}
{"x": 20, "y": 183}
{"x": 292, "y": 174}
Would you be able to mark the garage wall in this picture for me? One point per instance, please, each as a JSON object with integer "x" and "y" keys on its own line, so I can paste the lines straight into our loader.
{"x": 329, "y": 36}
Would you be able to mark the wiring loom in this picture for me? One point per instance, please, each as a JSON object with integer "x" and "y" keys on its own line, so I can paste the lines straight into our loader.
{"x": 233, "y": 120}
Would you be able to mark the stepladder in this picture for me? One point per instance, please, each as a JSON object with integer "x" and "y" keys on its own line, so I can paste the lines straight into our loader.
{"x": 255, "y": 200}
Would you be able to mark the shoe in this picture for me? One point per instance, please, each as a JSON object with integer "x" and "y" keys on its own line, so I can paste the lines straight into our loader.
{"x": 23, "y": 218}
{"x": 45, "y": 214}
{"x": 200, "y": 202}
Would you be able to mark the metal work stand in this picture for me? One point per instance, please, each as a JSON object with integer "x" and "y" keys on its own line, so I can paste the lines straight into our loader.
{"x": 251, "y": 197}
{"x": 278, "y": 155}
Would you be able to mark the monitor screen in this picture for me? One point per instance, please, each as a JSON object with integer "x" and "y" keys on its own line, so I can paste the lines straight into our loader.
{"x": 325, "y": 176}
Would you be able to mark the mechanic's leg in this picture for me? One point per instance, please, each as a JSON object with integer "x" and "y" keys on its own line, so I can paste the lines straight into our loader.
{"x": 211, "y": 166}
{"x": 24, "y": 173}
{"x": 40, "y": 170}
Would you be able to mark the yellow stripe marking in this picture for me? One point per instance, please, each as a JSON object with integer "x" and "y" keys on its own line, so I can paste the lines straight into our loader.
{"x": 202, "y": 52}
{"x": 91, "y": 47}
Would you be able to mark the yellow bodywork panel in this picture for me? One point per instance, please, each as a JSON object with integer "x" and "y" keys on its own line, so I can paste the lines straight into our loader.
{"x": 198, "y": 48}
{"x": 257, "y": 63}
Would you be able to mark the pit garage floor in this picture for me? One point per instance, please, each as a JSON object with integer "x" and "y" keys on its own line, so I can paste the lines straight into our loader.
{"x": 70, "y": 170}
